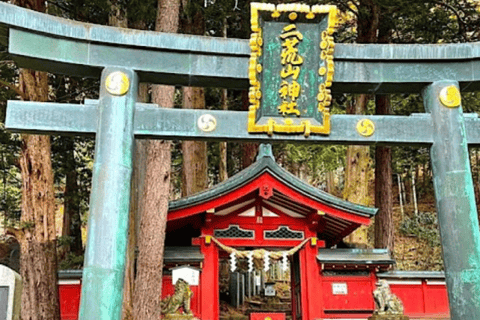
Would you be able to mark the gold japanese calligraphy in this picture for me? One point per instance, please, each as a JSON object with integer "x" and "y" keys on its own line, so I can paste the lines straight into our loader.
{"x": 291, "y": 61}
{"x": 291, "y": 102}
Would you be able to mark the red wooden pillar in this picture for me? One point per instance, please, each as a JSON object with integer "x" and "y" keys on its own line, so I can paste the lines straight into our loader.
{"x": 312, "y": 299}
{"x": 209, "y": 308}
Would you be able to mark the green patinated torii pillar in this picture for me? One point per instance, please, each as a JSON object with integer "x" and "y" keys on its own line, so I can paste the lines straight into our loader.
{"x": 455, "y": 199}
{"x": 103, "y": 270}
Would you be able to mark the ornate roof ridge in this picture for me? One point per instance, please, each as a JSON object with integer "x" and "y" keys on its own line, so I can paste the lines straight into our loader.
{"x": 266, "y": 163}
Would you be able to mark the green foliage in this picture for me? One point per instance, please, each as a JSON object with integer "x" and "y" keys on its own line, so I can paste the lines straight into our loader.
{"x": 64, "y": 241}
{"x": 71, "y": 261}
{"x": 424, "y": 226}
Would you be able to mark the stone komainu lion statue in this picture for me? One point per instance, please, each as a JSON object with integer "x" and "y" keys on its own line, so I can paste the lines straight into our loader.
{"x": 386, "y": 301}
{"x": 181, "y": 298}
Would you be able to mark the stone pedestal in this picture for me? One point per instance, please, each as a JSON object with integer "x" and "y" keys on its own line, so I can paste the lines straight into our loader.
{"x": 388, "y": 317}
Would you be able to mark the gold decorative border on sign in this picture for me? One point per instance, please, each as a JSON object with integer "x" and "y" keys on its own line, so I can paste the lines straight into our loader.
{"x": 327, "y": 45}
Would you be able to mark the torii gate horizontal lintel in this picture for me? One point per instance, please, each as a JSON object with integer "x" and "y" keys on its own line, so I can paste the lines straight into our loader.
{"x": 150, "y": 121}
{"x": 81, "y": 49}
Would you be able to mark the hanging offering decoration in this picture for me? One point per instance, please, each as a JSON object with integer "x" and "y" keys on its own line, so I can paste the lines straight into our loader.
{"x": 258, "y": 258}
{"x": 285, "y": 261}
{"x": 266, "y": 261}
{"x": 291, "y": 68}
{"x": 233, "y": 262}
{"x": 250, "y": 261}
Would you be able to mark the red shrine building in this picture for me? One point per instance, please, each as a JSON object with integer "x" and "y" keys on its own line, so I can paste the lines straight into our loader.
{"x": 266, "y": 207}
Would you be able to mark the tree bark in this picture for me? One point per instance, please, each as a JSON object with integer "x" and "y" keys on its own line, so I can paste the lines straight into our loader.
{"x": 38, "y": 260}
{"x": 136, "y": 211}
{"x": 222, "y": 165}
{"x": 194, "y": 173}
{"x": 358, "y": 174}
{"x": 153, "y": 220}
{"x": 71, "y": 208}
{"x": 384, "y": 226}
{"x": 37, "y": 237}
{"x": 358, "y": 168}
{"x": 249, "y": 149}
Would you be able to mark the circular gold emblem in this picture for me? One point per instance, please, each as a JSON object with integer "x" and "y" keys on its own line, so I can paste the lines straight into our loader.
{"x": 365, "y": 127}
{"x": 207, "y": 123}
{"x": 117, "y": 83}
{"x": 268, "y": 318}
{"x": 450, "y": 97}
{"x": 292, "y": 16}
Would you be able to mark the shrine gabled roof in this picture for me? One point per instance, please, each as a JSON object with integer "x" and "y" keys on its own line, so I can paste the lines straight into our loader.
{"x": 340, "y": 217}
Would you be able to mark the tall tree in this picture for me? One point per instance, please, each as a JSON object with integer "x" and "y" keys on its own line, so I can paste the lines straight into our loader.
{"x": 249, "y": 149}
{"x": 358, "y": 162}
{"x": 384, "y": 225}
{"x": 153, "y": 220}
{"x": 71, "y": 199}
{"x": 37, "y": 237}
{"x": 136, "y": 210}
{"x": 194, "y": 171}
{"x": 222, "y": 163}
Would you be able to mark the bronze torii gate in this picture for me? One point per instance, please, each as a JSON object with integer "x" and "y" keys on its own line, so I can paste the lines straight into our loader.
{"x": 124, "y": 57}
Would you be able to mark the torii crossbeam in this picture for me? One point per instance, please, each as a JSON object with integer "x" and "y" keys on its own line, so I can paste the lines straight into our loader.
{"x": 64, "y": 46}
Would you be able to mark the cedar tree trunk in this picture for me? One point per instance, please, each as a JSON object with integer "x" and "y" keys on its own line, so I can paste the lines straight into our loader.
{"x": 37, "y": 237}
{"x": 384, "y": 227}
{"x": 153, "y": 220}
{"x": 194, "y": 173}
{"x": 249, "y": 149}
{"x": 358, "y": 170}
{"x": 71, "y": 208}
{"x": 38, "y": 247}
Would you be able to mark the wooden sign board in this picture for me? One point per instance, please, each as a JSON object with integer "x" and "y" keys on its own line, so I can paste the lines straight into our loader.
{"x": 291, "y": 68}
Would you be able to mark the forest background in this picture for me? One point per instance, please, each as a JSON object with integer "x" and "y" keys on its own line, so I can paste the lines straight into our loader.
{"x": 46, "y": 181}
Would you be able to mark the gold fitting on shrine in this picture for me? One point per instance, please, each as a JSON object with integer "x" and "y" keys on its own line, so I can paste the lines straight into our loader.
{"x": 313, "y": 241}
{"x": 292, "y": 16}
{"x": 117, "y": 83}
{"x": 308, "y": 128}
{"x": 207, "y": 123}
{"x": 450, "y": 97}
{"x": 208, "y": 239}
{"x": 366, "y": 127}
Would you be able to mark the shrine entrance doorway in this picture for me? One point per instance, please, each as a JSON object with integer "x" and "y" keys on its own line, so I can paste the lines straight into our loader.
{"x": 249, "y": 291}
